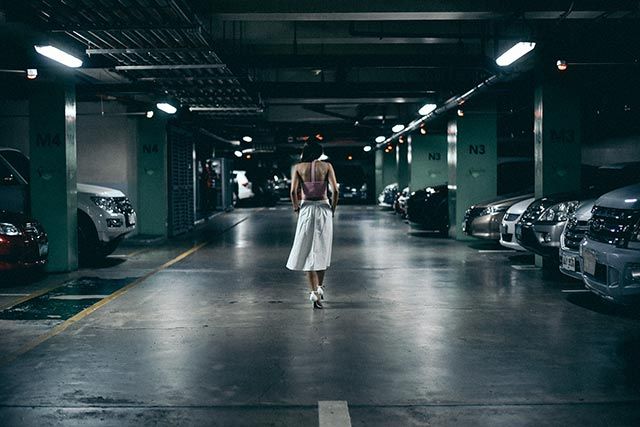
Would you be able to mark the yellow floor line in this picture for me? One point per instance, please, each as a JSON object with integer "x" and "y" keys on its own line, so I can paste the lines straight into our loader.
{"x": 33, "y": 295}
{"x": 87, "y": 311}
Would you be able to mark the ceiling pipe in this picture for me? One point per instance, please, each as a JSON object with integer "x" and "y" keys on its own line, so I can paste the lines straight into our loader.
{"x": 451, "y": 103}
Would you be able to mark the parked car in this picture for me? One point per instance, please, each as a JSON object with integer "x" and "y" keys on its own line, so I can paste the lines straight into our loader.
{"x": 243, "y": 186}
{"x": 541, "y": 225}
{"x": 574, "y": 230}
{"x": 352, "y": 183}
{"x": 23, "y": 242}
{"x": 428, "y": 209}
{"x": 400, "y": 204}
{"x": 387, "y": 198}
{"x": 611, "y": 247}
{"x": 484, "y": 220}
{"x": 105, "y": 215}
{"x": 281, "y": 185}
{"x": 355, "y": 192}
{"x": 507, "y": 228}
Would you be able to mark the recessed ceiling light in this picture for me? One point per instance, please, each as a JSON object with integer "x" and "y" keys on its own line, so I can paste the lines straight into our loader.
{"x": 149, "y": 114}
{"x": 367, "y": 148}
{"x": 398, "y": 127}
{"x": 380, "y": 138}
{"x": 247, "y": 138}
{"x": 237, "y": 153}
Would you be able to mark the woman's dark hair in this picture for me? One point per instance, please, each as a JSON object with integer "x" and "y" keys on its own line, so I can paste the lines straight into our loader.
{"x": 311, "y": 151}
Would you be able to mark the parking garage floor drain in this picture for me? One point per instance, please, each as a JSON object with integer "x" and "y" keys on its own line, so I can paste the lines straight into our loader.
{"x": 66, "y": 300}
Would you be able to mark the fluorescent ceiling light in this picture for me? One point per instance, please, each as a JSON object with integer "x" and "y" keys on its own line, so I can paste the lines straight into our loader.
{"x": 516, "y": 52}
{"x": 380, "y": 138}
{"x": 59, "y": 56}
{"x": 397, "y": 128}
{"x": 426, "y": 109}
{"x": 247, "y": 138}
{"x": 238, "y": 153}
{"x": 166, "y": 107}
{"x": 149, "y": 114}
{"x": 366, "y": 148}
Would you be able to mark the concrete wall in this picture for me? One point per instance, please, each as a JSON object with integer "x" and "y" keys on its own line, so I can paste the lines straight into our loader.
{"x": 14, "y": 125}
{"x": 614, "y": 150}
{"x": 107, "y": 147}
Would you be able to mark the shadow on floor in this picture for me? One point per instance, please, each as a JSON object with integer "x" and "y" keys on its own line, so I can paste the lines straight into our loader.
{"x": 593, "y": 302}
{"x": 107, "y": 262}
{"x": 20, "y": 278}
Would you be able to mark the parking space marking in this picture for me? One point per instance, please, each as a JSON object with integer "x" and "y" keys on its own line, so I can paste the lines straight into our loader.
{"x": 77, "y": 297}
{"x": 525, "y": 267}
{"x": 31, "y": 296}
{"x": 14, "y": 295}
{"x": 576, "y": 291}
{"x": 333, "y": 413}
{"x": 495, "y": 251}
{"x": 91, "y": 309}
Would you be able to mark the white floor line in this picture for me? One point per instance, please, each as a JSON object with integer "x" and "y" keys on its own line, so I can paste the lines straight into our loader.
{"x": 576, "y": 291}
{"x": 78, "y": 297}
{"x": 14, "y": 295}
{"x": 333, "y": 413}
{"x": 496, "y": 251}
{"x": 525, "y": 267}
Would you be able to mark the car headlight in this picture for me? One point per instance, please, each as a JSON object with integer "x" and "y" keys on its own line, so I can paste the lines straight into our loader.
{"x": 493, "y": 210}
{"x": 9, "y": 229}
{"x": 559, "y": 212}
{"x": 364, "y": 187}
{"x": 105, "y": 203}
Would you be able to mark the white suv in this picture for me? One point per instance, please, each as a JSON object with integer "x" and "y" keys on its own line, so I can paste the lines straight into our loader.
{"x": 105, "y": 215}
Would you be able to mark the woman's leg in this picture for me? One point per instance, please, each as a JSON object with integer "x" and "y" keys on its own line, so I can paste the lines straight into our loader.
{"x": 313, "y": 280}
{"x": 320, "y": 277}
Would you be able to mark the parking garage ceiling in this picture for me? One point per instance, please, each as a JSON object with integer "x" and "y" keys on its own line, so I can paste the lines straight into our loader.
{"x": 348, "y": 69}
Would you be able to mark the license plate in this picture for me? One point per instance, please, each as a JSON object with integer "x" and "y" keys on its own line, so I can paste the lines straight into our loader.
{"x": 568, "y": 263}
{"x": 589, "y": 263}
{"x": 43, "y": 249}
{"x": 348, "y": 196}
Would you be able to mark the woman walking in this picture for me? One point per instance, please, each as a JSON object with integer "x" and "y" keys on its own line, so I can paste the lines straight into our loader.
{"x": 311, "y": 251}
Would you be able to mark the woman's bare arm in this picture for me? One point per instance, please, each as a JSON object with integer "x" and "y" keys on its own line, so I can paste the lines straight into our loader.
{"x": 293, "y": 193}
{"x": 334, "y": 187}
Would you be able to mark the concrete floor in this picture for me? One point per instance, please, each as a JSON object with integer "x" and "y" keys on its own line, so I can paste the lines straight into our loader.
{"x": 416, "y": 330}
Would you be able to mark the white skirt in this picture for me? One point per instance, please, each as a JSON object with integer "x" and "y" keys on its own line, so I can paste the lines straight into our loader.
{"x": 311, "y": 249}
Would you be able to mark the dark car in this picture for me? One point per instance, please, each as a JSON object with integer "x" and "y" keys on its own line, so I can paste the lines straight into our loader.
{"x": 352, "y": 184}
{"x": 541, "y": 225}
{"x": 484, "y": 219}
{"x": 428, "y": 209}
{"x": 23, "y": 242}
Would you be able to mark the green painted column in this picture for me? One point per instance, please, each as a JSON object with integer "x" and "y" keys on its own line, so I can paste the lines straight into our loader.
{"x": 53, "y": 185}
{"x": 557, "y": 137}
{"x": 428, "y": 160}
{"x": 557, "y": 147}
{"x": 153, "y": 199}
{"x": 379, "y": 171}
{"x": 403, "y": 164}
{"x": 389, "y": 168}
{"x": 473, "y": 162}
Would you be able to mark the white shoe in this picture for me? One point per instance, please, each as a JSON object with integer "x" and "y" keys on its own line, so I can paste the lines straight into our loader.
{"x": 313, "y": 297}
{"x": 320, "y": 292}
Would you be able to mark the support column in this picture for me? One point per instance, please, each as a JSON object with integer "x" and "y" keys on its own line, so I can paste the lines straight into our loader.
{"x": 389, "y": 172}
{"x": 403, "y": 162}
{"x": 428, "y": 160}
{"x": 557, "y": 149}
{"x": 53, "y": 185}
{"x": 379, "y": 171}
{"x": 152, "y": 209}
{"x": 473, "y": 163}
{"x": 557, "y": 137}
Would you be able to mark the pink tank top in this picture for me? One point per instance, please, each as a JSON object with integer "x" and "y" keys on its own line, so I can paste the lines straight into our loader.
{"x": 314, "y": 190}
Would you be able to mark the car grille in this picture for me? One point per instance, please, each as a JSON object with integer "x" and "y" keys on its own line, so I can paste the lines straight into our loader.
{"x": 511, "y": 217}
{"x": 612, "y": 226}
{"x": 122, "y": 205}
{"x": 574, "y": 233}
